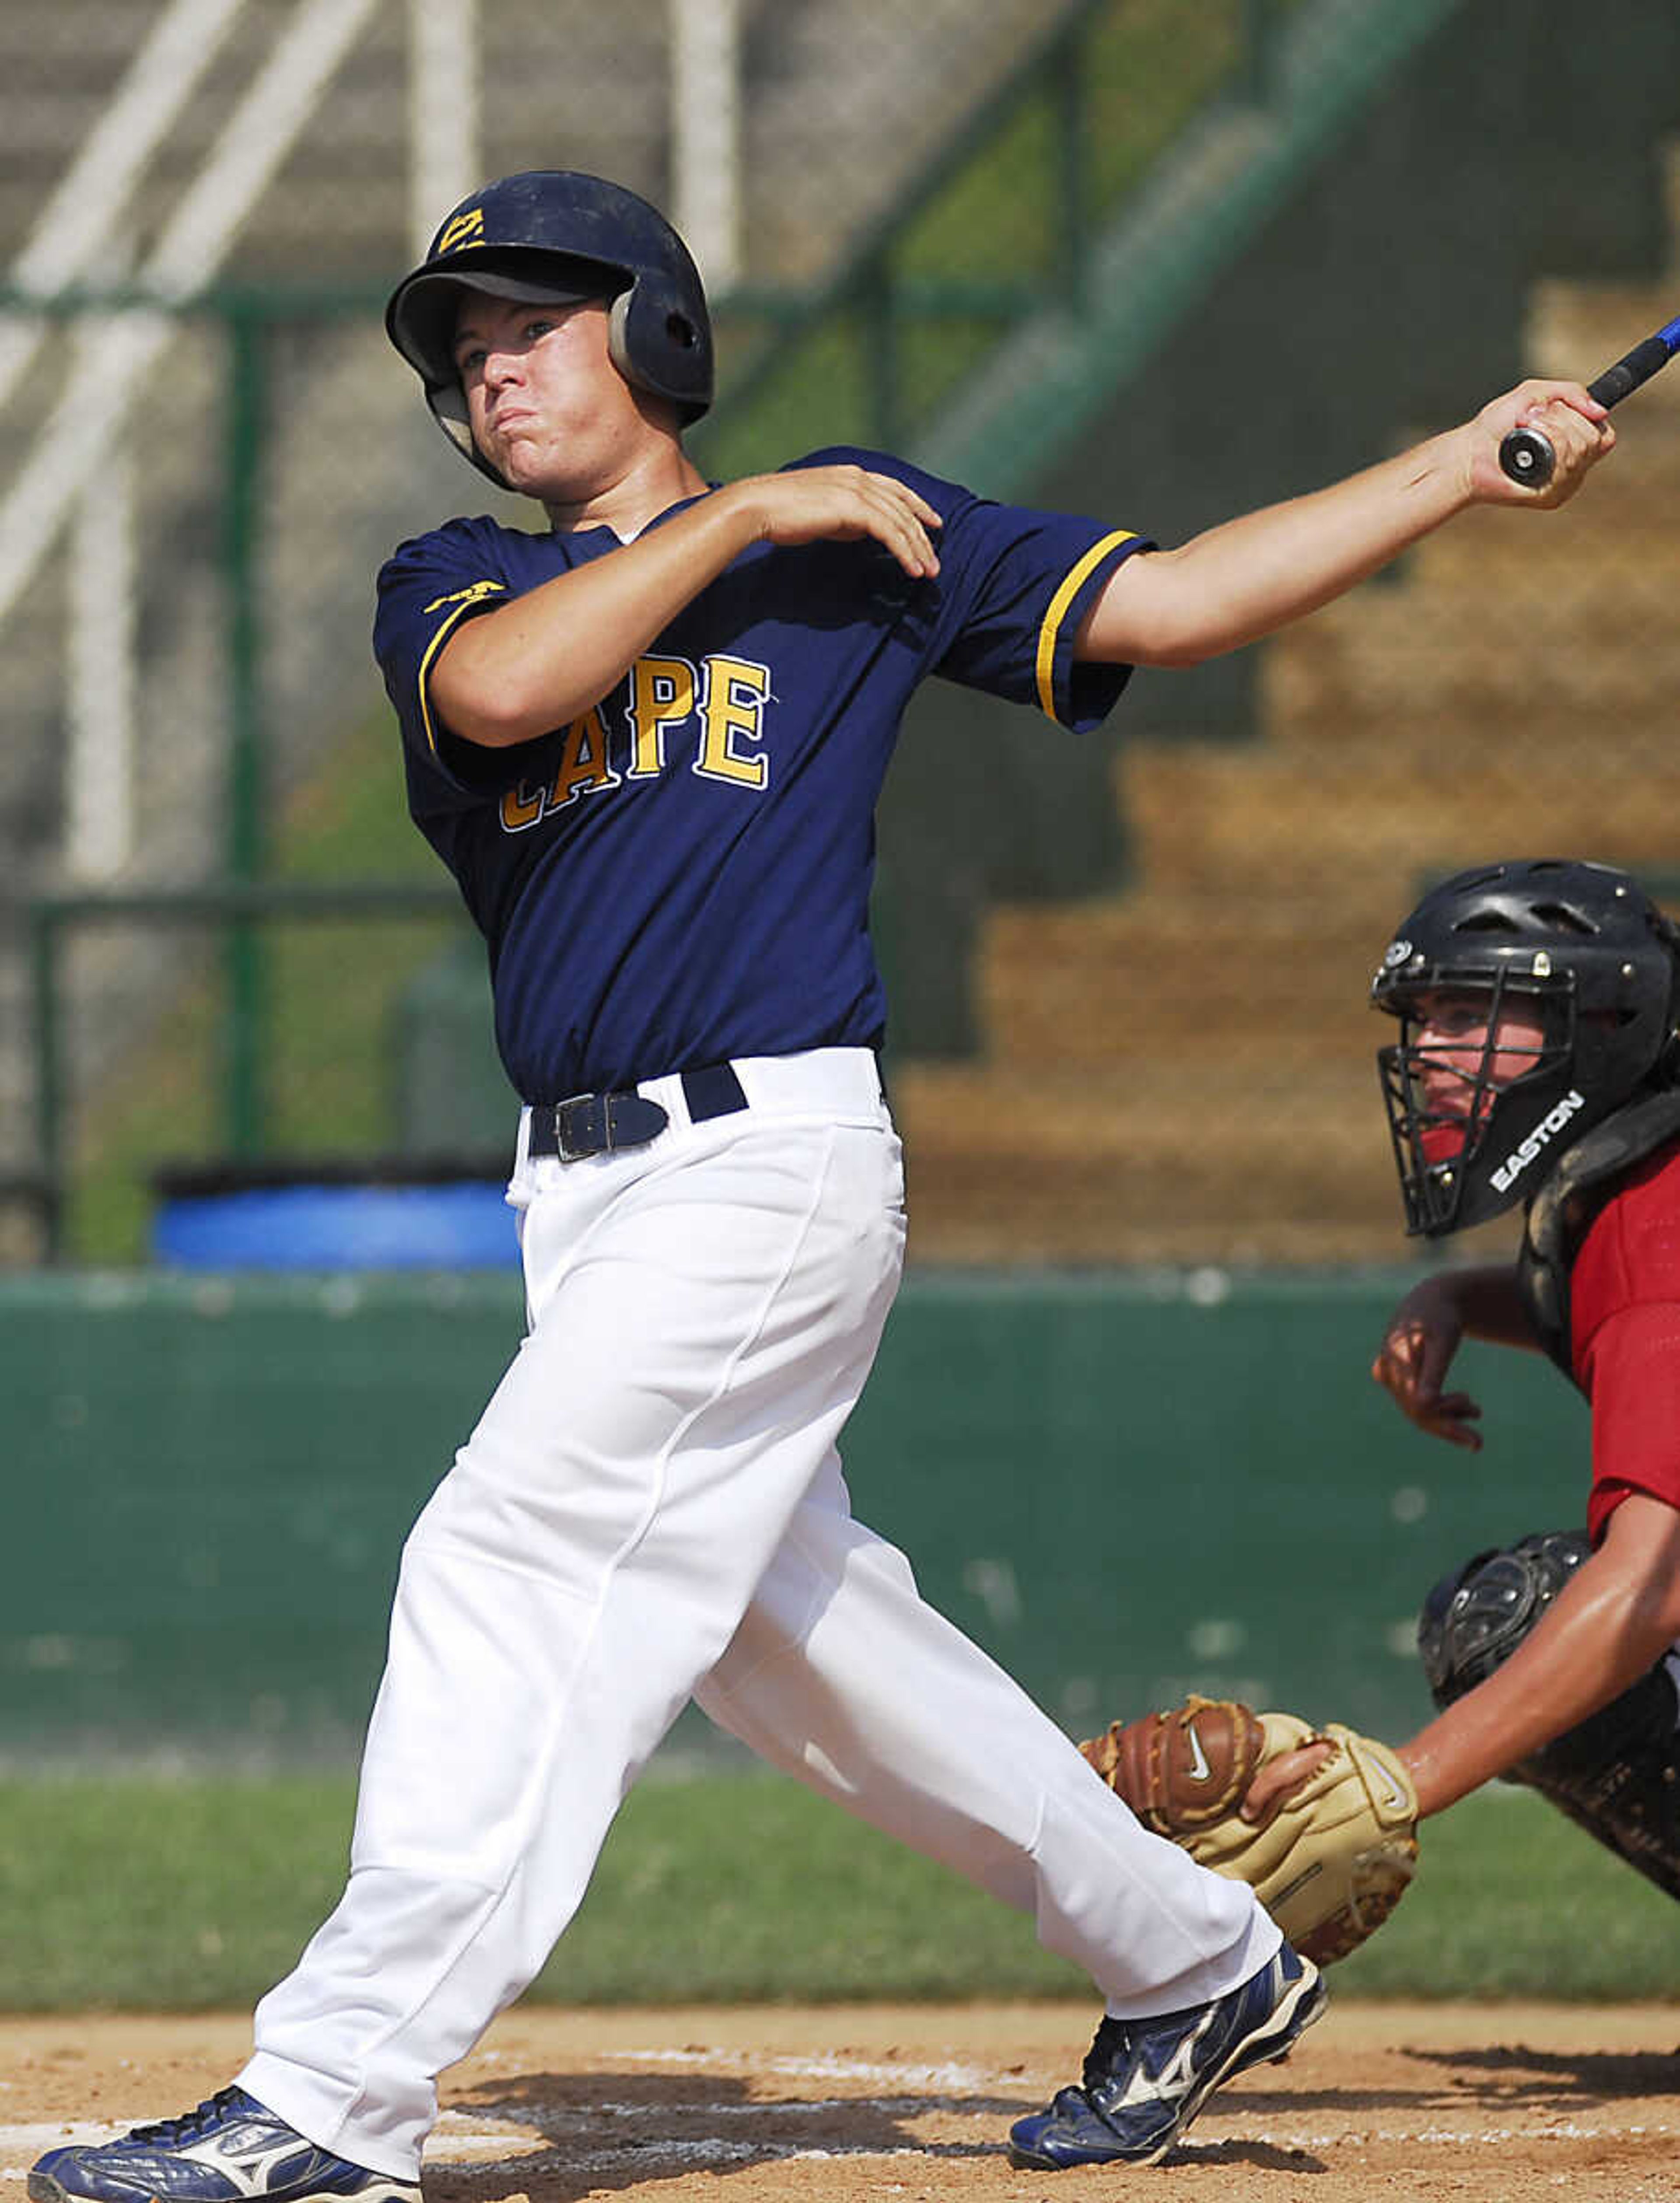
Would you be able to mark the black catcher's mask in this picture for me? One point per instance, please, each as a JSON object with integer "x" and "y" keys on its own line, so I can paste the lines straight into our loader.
{"x": 1584, "y": 945}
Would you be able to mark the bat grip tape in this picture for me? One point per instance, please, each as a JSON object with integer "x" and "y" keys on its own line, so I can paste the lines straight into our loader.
{"x": 1630, "y": 371}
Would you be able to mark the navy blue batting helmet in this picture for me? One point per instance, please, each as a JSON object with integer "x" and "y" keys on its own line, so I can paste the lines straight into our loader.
{"x": 555, "y": 236}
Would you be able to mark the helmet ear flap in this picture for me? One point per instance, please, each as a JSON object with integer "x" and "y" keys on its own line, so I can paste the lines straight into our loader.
{"x": 656, "y": 344}
{"x": 618, "y": 334}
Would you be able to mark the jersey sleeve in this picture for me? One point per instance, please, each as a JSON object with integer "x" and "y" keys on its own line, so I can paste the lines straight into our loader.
{"x": 428, "y": 589}
{"x": 1624, "y": 1293}
{"x": 1014, "y": 585}
{"x": 1024, "y": 581}
{"x": 1635, "y": 1395}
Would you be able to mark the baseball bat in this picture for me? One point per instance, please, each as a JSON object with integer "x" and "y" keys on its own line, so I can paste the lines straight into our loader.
{"x": 1526, "y": 454}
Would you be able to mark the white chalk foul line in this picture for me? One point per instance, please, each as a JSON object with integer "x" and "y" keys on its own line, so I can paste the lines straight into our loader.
{"x": 56, "y": 2133}
{"x": 771, "y": 2107}
{"x": 954, "y": 2078}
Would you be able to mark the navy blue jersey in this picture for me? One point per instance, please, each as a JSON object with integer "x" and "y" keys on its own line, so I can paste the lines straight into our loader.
{"x": 683, "y": 874}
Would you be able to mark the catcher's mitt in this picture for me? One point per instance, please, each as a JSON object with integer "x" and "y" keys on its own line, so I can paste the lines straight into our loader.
{"x": 1329, "y": 1863}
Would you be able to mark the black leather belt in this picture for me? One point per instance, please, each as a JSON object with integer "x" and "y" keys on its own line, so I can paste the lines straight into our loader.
{"x": 593, "y": 1124}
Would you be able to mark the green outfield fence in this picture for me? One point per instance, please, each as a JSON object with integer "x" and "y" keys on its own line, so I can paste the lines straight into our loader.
{"x": 1125, "y": 1488}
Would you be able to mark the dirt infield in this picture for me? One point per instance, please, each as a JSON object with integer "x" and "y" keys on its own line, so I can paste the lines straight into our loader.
{"x": 1482, "y": 2103}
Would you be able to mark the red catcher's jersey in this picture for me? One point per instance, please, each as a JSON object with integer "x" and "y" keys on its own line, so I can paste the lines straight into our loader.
{"x": 1625, "y": 1300}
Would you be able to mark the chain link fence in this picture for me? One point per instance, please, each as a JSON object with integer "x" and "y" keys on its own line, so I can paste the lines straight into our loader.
{"x": 1154, "y": 259}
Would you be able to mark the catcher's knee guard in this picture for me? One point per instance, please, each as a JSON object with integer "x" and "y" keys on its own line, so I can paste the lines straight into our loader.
{"x": 1617, "y": 1773}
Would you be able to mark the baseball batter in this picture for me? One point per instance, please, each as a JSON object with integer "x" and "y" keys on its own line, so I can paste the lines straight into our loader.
{"x": 648, "y": 742}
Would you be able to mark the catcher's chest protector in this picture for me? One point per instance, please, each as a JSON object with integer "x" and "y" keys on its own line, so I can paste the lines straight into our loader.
{"x": 1562, "y": 1212}
{"x": 1618, "y": 1776}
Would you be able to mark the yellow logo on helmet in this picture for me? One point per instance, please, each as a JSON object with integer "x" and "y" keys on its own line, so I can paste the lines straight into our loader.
{"x": 463, "y": 229}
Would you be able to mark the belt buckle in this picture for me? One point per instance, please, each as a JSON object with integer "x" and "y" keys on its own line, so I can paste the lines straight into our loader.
{"x": 578, "y": 1128}
{"x": 600, "y": 1124}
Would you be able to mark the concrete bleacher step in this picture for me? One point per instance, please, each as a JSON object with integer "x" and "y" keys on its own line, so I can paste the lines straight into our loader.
{"x": 1507, "y": 652}
{"x": 1220, "y": 974}
{"x": 1154, "y": 1158}
{"x": 1183, "y": 1085}
{"x": 1254, "y": 824}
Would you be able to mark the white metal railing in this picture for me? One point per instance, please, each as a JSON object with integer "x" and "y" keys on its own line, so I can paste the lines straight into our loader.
{"x": 705, "y": 134}
{"x": 73, "y": 240}
{"x": 79, "y": 223}
{"x": 76, "y": 446}
{"x": 443, "y": 104}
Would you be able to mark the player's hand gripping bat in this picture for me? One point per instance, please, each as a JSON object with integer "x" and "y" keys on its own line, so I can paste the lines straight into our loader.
{"x": 1526, "y": 454}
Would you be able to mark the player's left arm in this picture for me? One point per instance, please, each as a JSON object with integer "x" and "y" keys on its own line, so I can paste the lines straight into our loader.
{"x": 1244, "y": 579}
{"x": 1614, "y": 1619}
{"x": 1423, "y": 1334}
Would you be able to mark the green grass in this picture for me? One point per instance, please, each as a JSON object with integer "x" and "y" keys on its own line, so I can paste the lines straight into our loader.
{"x": 124, "y": 1893}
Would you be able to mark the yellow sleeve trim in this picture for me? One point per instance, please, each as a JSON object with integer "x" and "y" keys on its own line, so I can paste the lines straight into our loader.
{"x": 432, "y": 649}
{"x": 1049, "y": 633}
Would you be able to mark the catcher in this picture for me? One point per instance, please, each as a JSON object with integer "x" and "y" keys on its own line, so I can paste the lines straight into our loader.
{"x": 1538, "y": 1061}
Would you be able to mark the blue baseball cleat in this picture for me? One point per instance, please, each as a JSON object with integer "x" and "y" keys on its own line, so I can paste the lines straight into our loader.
{"x": 231, "y": 2148}
{"x": 1145, "y": 2080}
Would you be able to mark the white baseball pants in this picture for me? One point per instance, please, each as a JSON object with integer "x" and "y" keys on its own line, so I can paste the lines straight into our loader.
{"x": 652, "y": 1508}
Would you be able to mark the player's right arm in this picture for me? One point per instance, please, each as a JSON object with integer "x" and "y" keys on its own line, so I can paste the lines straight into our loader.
{"x": 1423, "y": 1334}
{"x": 1611, "y": 1621}
{"x": 546, "y": 657}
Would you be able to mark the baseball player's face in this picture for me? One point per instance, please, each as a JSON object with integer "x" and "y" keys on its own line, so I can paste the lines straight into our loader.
{"x": 1463, "y": 1059}
{"x": 546, "y": 406}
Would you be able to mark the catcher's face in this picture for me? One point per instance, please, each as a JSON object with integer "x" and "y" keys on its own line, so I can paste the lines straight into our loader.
{"x": 1462, "y": 1054}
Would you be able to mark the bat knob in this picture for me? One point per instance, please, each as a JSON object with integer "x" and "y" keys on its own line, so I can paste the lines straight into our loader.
{"x": 1527, "y": 457}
